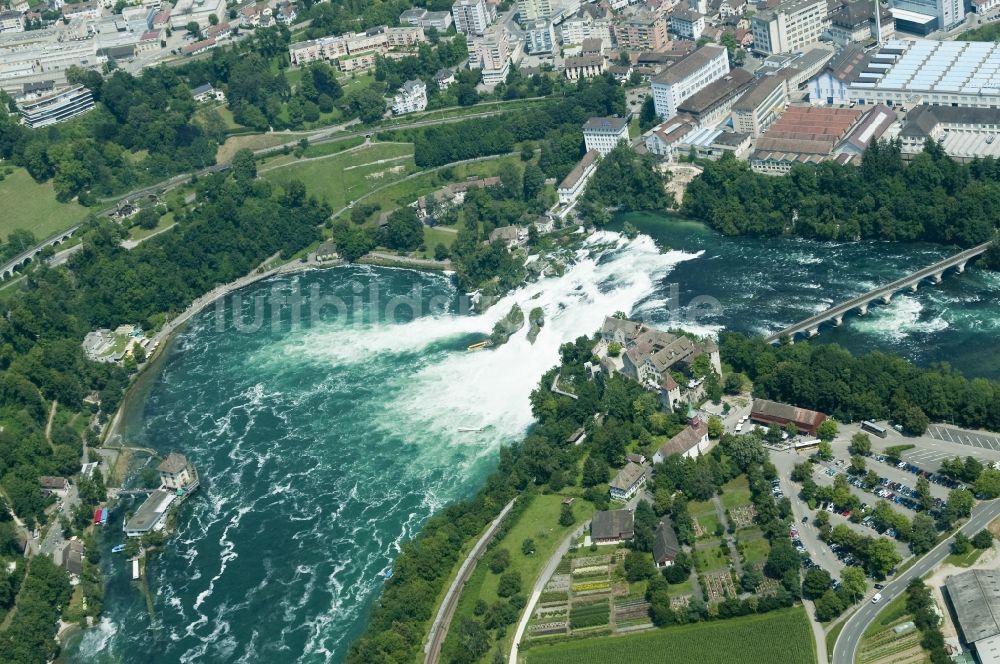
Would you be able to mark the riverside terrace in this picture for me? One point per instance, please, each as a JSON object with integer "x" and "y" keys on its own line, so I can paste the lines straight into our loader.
{"x": 835, "y": 314}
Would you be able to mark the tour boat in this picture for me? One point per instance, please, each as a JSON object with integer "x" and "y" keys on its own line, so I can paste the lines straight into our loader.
{"x": 470, "y": 429}
{"x": 387, "y": 573}
{"x": 479, "y": 345}
{"x": 118, "y": 548}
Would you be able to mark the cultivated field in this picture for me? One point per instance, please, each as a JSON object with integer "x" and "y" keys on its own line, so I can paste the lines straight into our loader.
{"x": 782, "y": 637}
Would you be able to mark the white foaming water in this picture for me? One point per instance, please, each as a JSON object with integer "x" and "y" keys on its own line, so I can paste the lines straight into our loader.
{"x": 898, "y": 319}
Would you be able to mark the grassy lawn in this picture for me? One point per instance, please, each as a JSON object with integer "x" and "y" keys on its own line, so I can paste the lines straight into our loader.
{"x": 434, "y": 236}
{"x": 539, "y": 522}
{"x": 736, "y": 492}
{"x": 711, "y": 557}
{"x": 36, "y": 208}
{"x": 780, "y": 636}
{"x": 342, "y": 178}
{"x": 137, "y": 232}
{"x": 685, "y": 588}
{"x": 709, "y": 522}
{"x": 755, "y": 549}
{"x": 966, "y": 559}
{"x": 831, "y": 638}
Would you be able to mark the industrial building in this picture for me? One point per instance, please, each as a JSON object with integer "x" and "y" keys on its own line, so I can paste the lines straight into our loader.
{"x": 689, "y": 75}
{"x": 963, "y": 133}
{"x": 790, "y": 26}
{"x": 975, "y": 598}
{"x": 948, "y": 73}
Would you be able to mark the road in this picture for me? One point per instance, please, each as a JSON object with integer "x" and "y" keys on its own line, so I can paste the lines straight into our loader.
{"x": 846, "y": 647}
{"x": 540, "y": 582}
{"x": 447, "y": 609}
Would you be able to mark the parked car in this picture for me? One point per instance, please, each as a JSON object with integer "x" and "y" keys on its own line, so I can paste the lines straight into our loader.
{"x": 877, "y": 598}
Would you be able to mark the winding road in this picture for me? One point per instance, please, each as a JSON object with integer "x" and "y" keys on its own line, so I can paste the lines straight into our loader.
{"x": 846, "y": 648}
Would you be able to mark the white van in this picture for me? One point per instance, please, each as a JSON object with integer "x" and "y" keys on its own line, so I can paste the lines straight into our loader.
{"x": 877, "y": 598}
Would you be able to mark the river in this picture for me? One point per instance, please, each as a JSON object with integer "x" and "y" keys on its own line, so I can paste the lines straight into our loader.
{"x": 324, "y": 444}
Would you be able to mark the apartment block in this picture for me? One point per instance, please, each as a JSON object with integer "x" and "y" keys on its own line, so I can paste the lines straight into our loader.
{"x": 603, "y": 134}
{"x": 688, "y": 76}
{"x": 56, "y": 107}
{"x": 490, "y": 53}
{"x": 789, "y": 26}
{"x": 642, "y": 31}
{"x": 533, "y": 10}
{"x": 472, "y": 17}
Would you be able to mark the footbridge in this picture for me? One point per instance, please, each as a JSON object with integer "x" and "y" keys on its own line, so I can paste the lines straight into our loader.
{"x": 835, "y": 314}
{"x": 25, "y": 257}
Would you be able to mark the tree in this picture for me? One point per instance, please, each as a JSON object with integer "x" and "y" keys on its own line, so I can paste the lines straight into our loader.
{"x": 959, "y": 505}
{"x": 614, "y": 349}
{"x": 861, "y": 444}
{"x": 924, "y": 496}
{"x": 213, "y": 19}
{"x": 923, "y": 534}
{"x": 827, "y": 431}
{"x": 528, "y": 546}
{"x": 857, "y": 466}
{"x": 367, "y": 104}
{"x": 566, "y": 517}
{"x": 781, "y": 559}
{"x": 509, "y": 584}
{"x": 913, "y": 420}
{"x": 802, "y": 471}
{"x": 961, "y": 544}
{"x": 853, "y": 583}
{"x": 816, "y": 582}
{"x": 733, "y": 383}
{"x": 987, "y": 485}
{"x": 983, "y": 539}
{"x": 824, "y": 452}
{"x": 244, "y": 165}
{"x": 499, "y": 560}
{"x": 715, "y": 428}
{"x": 193, "y": 29}
{"x": 638, "y": 566}
{"x": 647, "y": 114}
{"x": 441, "y": 252}
{"x": 473, "y": 640}
{"x": 829, "y": 606}
{"x": 532, "y": 181}
{"x": 404, "y": 232}
{"x": 595, "y": 471}
{"x": 882, "y": 556}
{"x": 751, "y": 579}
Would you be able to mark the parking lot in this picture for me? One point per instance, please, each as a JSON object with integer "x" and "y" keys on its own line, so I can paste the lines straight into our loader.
{"x": 981, "y": 440}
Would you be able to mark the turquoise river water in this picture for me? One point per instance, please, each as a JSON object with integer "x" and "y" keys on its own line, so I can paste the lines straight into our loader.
{"x": 325, "y": 444}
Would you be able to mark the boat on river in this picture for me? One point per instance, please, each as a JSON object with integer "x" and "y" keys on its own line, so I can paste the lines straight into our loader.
{"x": 479, "y": 345}
{"x": 118, "y": 548}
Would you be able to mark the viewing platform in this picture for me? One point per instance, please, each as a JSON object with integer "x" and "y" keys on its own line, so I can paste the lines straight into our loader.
{"x": 835, "y": 314}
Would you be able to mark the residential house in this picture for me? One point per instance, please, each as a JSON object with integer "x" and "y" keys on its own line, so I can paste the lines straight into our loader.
{"x": 412, "y": 97}
{"x": 691, "y": 442}
{"x": 206, "y": 92}
{"x": 854, "y": 23}
{"x": 72, "y": 559}
{"x": 591, "y": 21}
{"x": 642, "y": 31}
{"x": 511, "y": 236}
{"x": 665, "y": 544}
{"x": 443, "y": 78}
{"x": 55, "y": 485}
{"x": 585, "y": 66}
{"x": 687, "y": 24}
{"x": 56, "y": 107}
{"x": 176, "y": 472}
{"x": 628, "y": 482}
{"x": 612, "y": 526}
{"x": 149, "y": 41}
{"x": 574, "y": 184}
{"x": 491, "y": 54}
{"x": 198, "y": 47}
{"x": 540, "y": 37}
{"x": 286, "y": 14}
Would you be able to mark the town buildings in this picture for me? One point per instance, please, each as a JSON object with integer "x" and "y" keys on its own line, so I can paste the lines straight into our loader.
{"x": 357, "y": 50}
{"x": 574, "y": 184}
{"x": 963, "y": 133}
{"x": 831, "y": 85}
{"x": 921, "y": 17}
{"x": 533, "y": 10}
{"x": 688, "y": 76}
{"x": 11, "y": 21}
{"x": 803, "y": 135}
{"x": 687, "y": 24}
{"x": 55, "y": 107}
{"x": 603, "y": 134}
{"x": 412, "y": 97}
{"x": 472, "y": 17}
{"x": 197, "y": 11}
{"x": 176, "y": 472}
{"x": 641, "y": 31}
{"x": 491, "y": 53}
{"x": 854, "y": 23}
{"x": 761, "y": 105}
{"x": 712, "y": 104}
{"x": 178, "y": 479}
{"x": 591, "y": 21}
{"x": 540, "y": 37}
{"x": 789, "y": 26}
{"x": 947, "y": 73}
{"x": 627, "y": 482}
{"x": 585, "y": 66}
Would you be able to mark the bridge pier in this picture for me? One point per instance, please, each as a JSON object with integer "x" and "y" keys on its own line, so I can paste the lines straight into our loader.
{"x": 913, "y": 286}
{"x": 838, "y": 320}
{"x": 863, "y": 309}
{"x": 887, "y": 298}
{"x": 813, "y": 331}
{"x": 961, "y": 267}
{"x": 937, "y": 276}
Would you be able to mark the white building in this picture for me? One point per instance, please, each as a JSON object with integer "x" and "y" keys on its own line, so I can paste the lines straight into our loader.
{"x": 603, "y": 134}
{"x": 11, "y": 21}
{"x": 691, "y": 74}
{"x": 199, "y": 11}
{"x": 830, "y": 86}
{"x": 490, "y": 53}
{"x": 946, "y": 73}
{"x": 412, "y": 97}
{"x": 760, "y": 106}
{"x": 472, "y": 17}
{"x": 854, "y": 23}
{"x": 533, "y": 10}
{"x": 589, "y": 23}
{"x": 923, "y": 16}
{"x": 540, "y": 37}
{"x": 687, "y": 24}
{"x": 788, "y": 27}
{"x": 627, "y": 482}
{"x": 56, "y": 107}
{"x": 573, "y": 185}
{"x": 690, "y": 442}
